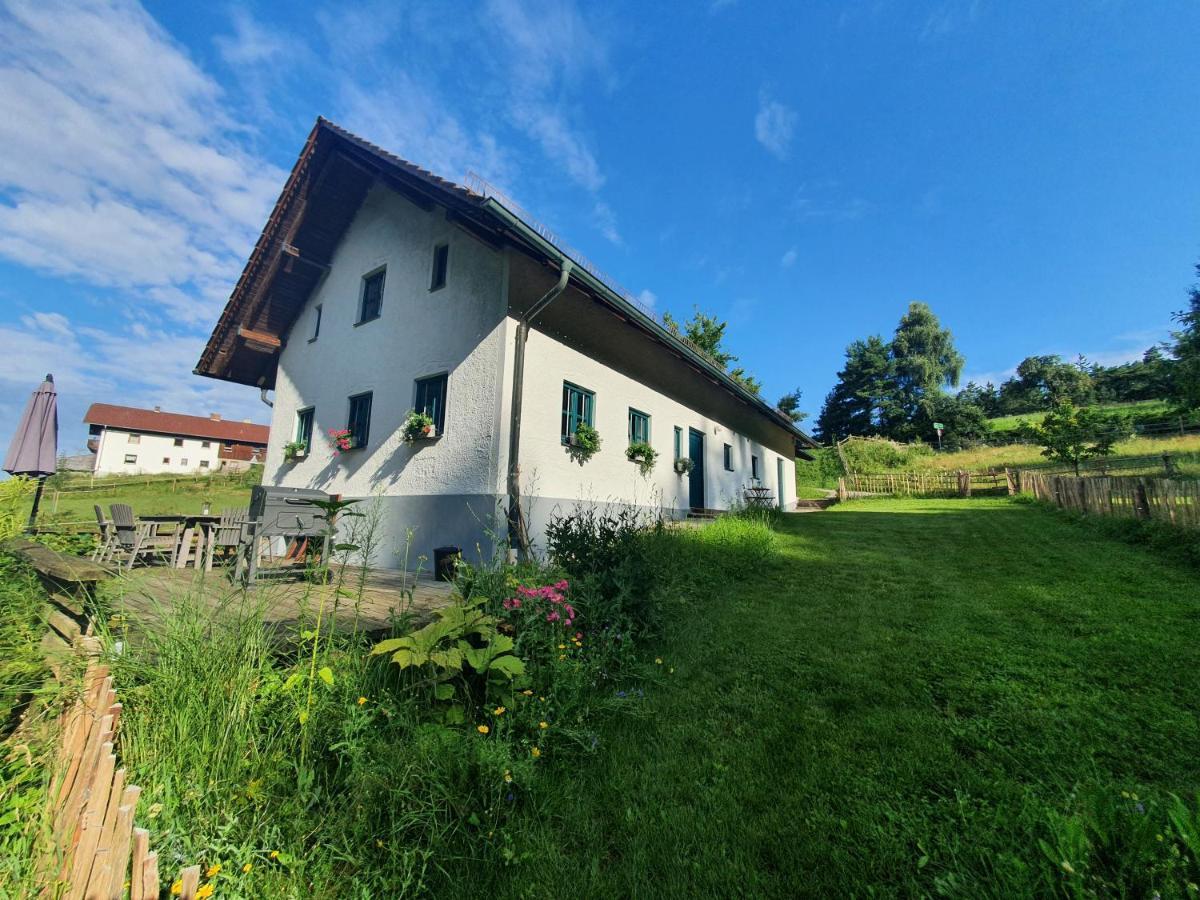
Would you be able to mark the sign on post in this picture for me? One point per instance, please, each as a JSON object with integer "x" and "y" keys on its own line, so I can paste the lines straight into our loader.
{"x": 939, "y": 426}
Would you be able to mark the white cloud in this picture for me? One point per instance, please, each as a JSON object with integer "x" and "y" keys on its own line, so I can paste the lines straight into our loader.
{"x": 950, "y": 16}
{"x": 788, "y": 259}
{"x": 253, "y": 44}
{"x": 606, "y": 221}
{"x": 774, "y": 125}
{"x": 648, "y": 298}
{"x": 121, "y": 166}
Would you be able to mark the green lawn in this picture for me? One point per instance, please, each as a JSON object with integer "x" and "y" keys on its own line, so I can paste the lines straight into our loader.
{"x": 155, "y": 497}
{"x": 910, "y": 699}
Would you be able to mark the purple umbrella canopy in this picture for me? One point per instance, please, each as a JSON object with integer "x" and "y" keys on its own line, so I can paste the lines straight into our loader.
{"x": 34, "y": 447}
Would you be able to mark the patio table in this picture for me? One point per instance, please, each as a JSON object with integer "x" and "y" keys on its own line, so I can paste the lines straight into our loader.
{"x": 197, "y": 530}
{"x": 760, "y": 497}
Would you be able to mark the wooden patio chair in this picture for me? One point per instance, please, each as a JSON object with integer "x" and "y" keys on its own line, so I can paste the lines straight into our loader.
{"x": 105, "y": 538}
{"x": 135, "y": 539}
{"x": 229, "y": 533}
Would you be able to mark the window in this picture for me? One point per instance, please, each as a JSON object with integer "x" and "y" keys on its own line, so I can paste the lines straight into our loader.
{"x": 183, "y": 462}
{"x": 178, "y": 442}
{"x": 359, "y": 423}
{"x": 754, "y": 467}
{"x": 206, "y": 444}
{"x": 228, "y": 447}
{"x": 441, "y": 260}
{"x": 728, "y": 458}
{"x": 678, "y": 442}
{"x": 639, "y": 427}
{"x": 578, "y": 406}
{"x": 431, "y": 400}
{"x": 204, "y": 463}
{"x": 372, "y": 297}
{"x": 166, "y": 460}
{"x": 135, "y": 438}
{"x": 130, "y": 459}
{"x": 316, "y": 332}
{"x": 304, "y": 427}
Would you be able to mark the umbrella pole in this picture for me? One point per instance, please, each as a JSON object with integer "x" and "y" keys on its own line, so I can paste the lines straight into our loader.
{"x": 37, "y": 499}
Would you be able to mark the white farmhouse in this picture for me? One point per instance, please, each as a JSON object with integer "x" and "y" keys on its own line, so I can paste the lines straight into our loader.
{"x": 130, "y": 441}
{"x": 378, "y": 288}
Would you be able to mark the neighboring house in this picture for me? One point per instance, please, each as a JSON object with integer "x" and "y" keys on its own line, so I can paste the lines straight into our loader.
{"x": 149, "y": 441}
{"x": 377, "y": 287}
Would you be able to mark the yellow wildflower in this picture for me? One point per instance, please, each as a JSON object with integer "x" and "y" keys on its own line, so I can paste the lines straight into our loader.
{"x": 562, "y": 656}
{"x": 213, "y": 871}
{"x": 543, "y": 699}
{"x": 177, "y": 888}
{"x": 527, "y": 692}
{"x": 274, "y": 854}
{"x": 483, "y": 729}
{"x": 362, "y": 700}
{"x": 507, "y": 777}
{"x": 671, "y": 671}
{"x": 535, "y": 752}
{"x": 205, "y": 891}
{"x": 499, "y": 710}
{"x": 562, "y": 646}
{"x": 543, "y": 725}
{"x": 658, "y": 660}
{"x": 246, "y": 868}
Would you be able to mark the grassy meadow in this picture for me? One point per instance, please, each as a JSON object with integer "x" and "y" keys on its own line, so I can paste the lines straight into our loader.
{"x": 973, "y": 698}
{"x": 71, "y": 499}
{"x": 1144, "y": 410}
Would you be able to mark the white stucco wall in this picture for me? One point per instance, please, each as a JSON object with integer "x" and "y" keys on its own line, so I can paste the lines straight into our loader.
{"x": 458, "y": 330}
{"x": 609, "y": 476}
{"x": 151, "y": 450}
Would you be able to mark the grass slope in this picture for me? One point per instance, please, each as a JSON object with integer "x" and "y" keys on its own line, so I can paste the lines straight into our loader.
{"x": 1144, "y": 409}
{"x": 151, "y": 497}
{"x": 906, "y": 701}
{"x": 1185, "y": 448}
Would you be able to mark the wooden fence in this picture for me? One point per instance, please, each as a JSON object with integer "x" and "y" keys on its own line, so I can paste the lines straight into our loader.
{"x": 1174, "y": 501}
{"x": 94, "y": 850}
{"x": 927, "y": 484}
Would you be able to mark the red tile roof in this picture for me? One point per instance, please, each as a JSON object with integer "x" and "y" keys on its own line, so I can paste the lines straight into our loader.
{"x": 127, "y": 418}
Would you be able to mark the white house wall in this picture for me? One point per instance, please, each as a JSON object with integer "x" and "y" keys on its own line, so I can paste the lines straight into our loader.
{"x": 446, "y": 489}
{"x": 156, "y": 454}
{"x": 557, "y": 483}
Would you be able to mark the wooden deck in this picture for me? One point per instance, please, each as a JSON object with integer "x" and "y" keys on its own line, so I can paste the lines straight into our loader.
{"x": 144, "y": 595}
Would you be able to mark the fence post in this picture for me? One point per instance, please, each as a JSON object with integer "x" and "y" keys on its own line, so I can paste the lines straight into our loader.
{"x": 1168, "y": 464}
{"x": 842, "y": 494}
{"x": 1141, "y": 506}
{"x": 1008, "y": 482}
{"x": 964, "y": 483}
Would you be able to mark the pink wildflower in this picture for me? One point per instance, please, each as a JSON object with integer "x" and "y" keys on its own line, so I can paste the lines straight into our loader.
{"x": 553, "y": 617}
{"x": 561, "y": 586}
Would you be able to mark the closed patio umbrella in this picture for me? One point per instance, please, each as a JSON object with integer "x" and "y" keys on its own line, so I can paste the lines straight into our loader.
{"x": 34, "y": 448}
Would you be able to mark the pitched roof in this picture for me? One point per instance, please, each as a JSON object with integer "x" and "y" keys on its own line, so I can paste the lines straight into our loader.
{"x": 323, "y": 192}
{"x": 128, "y": 418}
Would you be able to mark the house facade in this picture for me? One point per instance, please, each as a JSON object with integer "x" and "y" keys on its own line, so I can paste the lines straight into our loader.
{"x": 378, "y": 288}
{"x": 130, "y": 441}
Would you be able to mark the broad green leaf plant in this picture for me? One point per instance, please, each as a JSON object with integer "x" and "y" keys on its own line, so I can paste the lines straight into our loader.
{"x": 462, "y": 658}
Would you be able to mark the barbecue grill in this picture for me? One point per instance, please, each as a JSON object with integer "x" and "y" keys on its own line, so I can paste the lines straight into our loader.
{"x": 281, "y": 522}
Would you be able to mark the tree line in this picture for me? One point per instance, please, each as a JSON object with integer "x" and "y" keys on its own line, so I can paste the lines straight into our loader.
{"x": 900, "y": 388}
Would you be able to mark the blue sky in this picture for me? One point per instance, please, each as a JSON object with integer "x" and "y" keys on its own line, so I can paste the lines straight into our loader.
{"x": 1030, "y": 170}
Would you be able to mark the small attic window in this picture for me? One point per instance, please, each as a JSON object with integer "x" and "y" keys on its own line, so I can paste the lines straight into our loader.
{"x": 441, "y": 262}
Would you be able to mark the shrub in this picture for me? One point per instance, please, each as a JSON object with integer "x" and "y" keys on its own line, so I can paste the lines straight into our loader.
{"x": 584, "y": 443}
{"x": 607, "y": 563}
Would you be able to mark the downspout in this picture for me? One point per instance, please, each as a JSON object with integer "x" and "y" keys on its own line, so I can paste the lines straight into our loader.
{"x": 518, "y": 535}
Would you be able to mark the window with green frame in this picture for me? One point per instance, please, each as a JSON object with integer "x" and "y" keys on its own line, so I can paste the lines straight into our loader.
{"x": 359, "y": 420}
{"x": 678, "y": 442}
{"x": 639, "y": 427}
{"x": 579, "y": 405}
{"x": 304, "y": 426}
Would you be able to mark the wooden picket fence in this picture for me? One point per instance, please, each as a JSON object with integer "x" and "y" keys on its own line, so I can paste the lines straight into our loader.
{"x": 1174, "y": 501}
{"x": 927, "y": 484}
{"x": 97, "y": 853}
